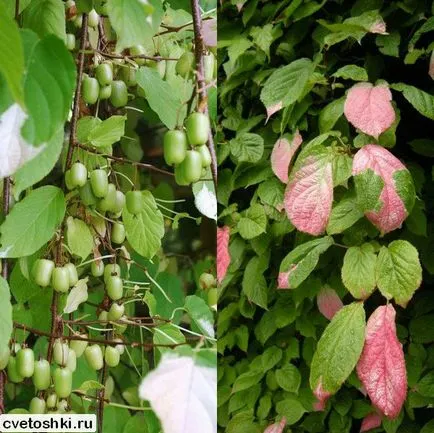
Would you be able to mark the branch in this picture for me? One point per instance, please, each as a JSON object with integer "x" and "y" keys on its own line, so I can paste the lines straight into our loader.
{"x": 124, "y": 160}
{"x": 76, "y": 108}
{"x": 202, "y": 93}
{"x": 141, "y": 56}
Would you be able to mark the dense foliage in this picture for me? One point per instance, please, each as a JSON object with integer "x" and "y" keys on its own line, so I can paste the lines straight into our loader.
{"x": 108, "y": 294}
{"x": 326, "y": 202}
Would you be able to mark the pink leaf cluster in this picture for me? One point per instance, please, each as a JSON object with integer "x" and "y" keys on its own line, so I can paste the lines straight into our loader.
{"x": 379, "y": 27}
{"x": 282, "y": 155}
{"x": 381, "y": 367}
{"x": 392, "y": 213}
{"x": 431, "y": 66}
{"x": 369, "y": 108}
{"x": 273, "y": 109}
{"x": 276, "y": 427}
{"x": 223, "y": 256}
{"x": 329, "y": 303}
{"x": 371, "y": 421}
{"x": 309, "y": 196}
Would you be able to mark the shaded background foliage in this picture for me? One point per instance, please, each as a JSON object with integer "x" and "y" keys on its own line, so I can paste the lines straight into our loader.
{"x": 267, "y": 337}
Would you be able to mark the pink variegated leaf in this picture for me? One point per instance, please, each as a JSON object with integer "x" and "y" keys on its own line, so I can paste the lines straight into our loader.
{"x": 395, "y": 187}
{"x": 369, "y": 108}
{"x": 276, "y": 427}
{"x": 309, "y": 193}
{"x": 381, "y": 367}
{"x": 371, "y": 421}
{"x": 329, "y": 303}
{"x": 282, "y": 154}
{"x": 322, "y": 397}
{"x": 379, "y": 27}
{"x": 223, "y": 256}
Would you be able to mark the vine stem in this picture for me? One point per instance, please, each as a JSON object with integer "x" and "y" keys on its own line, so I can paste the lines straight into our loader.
{"x": 140, "y": 56}
{"x": 124, "y": 160}
{"x": 201, "y": 85}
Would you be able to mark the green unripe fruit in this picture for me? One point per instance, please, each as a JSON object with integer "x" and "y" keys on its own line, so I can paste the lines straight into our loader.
{"x": 70, "y": 41}
{"x": 87, "y": 196}
{"x": 37, "y": 406}
{"x": 51, "y": 401}
{"x": 42, "y": 375}
{"x": 62, "y": 382}
{"x": 93, "y": 19}
{"x": 78, "y": 346}
{"x": 12, "y": 370}
{"x": 60, "y": 352}
{"x": 78, "y": 174}
{"x": 205, "y": 155}
{"x": 60, "y": 279}
{"x": 109, "y": 387}
{"x": 185, "y": 65}
{"x": 119, "y": 202}
{"x": 197, "y": 127}
{"x": 116, "y": 311}
{"x": 212, "y": 297}
{"x": 105, "y": 92}
{"x": 138, "y": 50}
{"x": 99, "y": 183}
{"x": 160, "y": 67}
{"x": 68, "y": 180}
{"x": 26, "y": 362}
{"x": 192, "y": 166}
{"x": 72, "y": 274}
{"x": 71, "y": 364}
{"x": 120, "y": 328}
{"x": 175, "y": 146}
{"x": 90, "y": 90}
{"x": 128, "y": 74}
{"x": 134, "y": 202}
{"x": 208, "y": 65}
{"x": 115, "y": 288}
{"x": 97, "y": 268}
{"x": 42, "y": 271}
{"x": 119, "y": 96}
{"x": 104, "y": 74}
{"x": 62, "y": 406}
{"x": 118, "y": 233}
{"x": 112, "y": 269}
{"x": 207, "y": 281}
{"x": 180, "y": 175}
{"x": 4, "y": 358}
{"x": 78, "y": 21}
{"x": 103, "y": 316}
{"x": 111, "y": 356}
{"x": 69, "y": 4}
{"x": 108, "y": 202}
{"x": 94, "y": 358}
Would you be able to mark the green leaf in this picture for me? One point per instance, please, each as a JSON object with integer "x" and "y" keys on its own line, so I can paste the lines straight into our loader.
{"x": 247, "y": 147}
{"x": 247, "y": 380}
{"x": 90, "y": 385}
{"x": 358, "y": 271}
{"x": 344, "y": 215}
{"x": 48, "y": 89}
{"x": 271, "y": 357}
{"x": 351, "y": 72}
{"x": 398, "y": 271}
{"x": 12, "y": 58}
{"x": 330, "y": 114}
{"x": 201, "y": 315}
{"x": 425, "y": 386}
{"x": 162, "y": 98}
{"x": 421, "y": 101}
{"x": 146, "y": 229}
{"x": 253, "y": 222}
{"x": 32, "y": 222}
{"x": 254, "y": 284}
{"x": 6, "y": 325}
{"x": 291, "y": 409}
{"x": 338, "y": 349}
{"x": 107, "y": 132}
{"x": 38, "y": 167}
{"x": 389, "y": 44}
{"x": 79, "y": 237}
{"x": 368, "y": 188}
{"x": 46, "y": 17}
{"x": 289, "y": 378}
{"x": 302, "y": 260}
{"x": 130, "y": 20}
{"x": 286, "y": 85}
{"x": 85, "y": 126}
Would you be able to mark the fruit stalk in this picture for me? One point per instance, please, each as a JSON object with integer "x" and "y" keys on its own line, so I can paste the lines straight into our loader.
{"x": 201, "y": 85}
